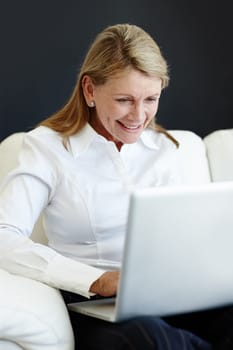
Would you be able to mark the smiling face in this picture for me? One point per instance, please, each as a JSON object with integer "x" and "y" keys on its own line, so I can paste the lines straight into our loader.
{"x": 124, "y": 105}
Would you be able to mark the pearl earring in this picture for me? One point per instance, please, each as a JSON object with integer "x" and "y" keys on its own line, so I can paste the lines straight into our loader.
{"x": 92, "y": 104}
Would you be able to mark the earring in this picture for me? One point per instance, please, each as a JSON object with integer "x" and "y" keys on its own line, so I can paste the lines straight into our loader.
{"x": 92, "y": 104}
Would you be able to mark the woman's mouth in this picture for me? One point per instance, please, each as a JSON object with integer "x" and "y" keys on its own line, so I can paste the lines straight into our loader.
{"x": 130, "y": 127}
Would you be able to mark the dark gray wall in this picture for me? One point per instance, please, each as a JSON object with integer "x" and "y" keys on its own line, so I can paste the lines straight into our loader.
{"x": 43, "y": 43}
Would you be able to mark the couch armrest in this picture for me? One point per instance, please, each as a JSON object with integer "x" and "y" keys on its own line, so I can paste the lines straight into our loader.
{"x": 7, "y": 345}
{"x": 33, "y": 315}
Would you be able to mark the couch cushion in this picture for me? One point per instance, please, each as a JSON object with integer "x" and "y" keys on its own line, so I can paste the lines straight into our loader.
{"x": 219, "y": 145}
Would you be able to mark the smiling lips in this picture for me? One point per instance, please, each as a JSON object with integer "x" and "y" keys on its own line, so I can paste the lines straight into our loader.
{"x": 130, "y": 127}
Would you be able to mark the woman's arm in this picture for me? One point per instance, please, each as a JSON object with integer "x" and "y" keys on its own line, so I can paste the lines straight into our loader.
{"x": 20, "y": 255}
{"x": 23, "y": 196}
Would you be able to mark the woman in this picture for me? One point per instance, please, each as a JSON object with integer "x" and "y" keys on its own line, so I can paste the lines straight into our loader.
{"x": 78, "y": 168}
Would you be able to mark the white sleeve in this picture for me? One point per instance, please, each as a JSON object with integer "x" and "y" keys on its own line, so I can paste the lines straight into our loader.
{"x": 23, "y": 195}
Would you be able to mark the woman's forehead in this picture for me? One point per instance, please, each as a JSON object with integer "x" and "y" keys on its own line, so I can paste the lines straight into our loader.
{"x": 133, "y": 80}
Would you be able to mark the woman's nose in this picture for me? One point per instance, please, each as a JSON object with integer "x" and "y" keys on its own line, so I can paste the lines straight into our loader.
{"x": 138, "y": 112}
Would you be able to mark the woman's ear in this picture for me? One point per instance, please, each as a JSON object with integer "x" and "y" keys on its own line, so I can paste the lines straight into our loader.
{"x": 88, "y": 89}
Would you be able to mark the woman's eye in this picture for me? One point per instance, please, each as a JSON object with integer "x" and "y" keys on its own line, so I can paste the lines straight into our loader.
{"x": 152, "y": 99}
{"x": 123, "y": 100}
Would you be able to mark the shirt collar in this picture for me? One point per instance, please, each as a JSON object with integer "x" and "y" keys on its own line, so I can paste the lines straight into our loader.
{"x": 150, "y": 139}
{"x": 81, "y": 141}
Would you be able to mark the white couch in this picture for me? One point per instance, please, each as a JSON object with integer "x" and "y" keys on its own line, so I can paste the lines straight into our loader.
{"x": 32, "y": 315}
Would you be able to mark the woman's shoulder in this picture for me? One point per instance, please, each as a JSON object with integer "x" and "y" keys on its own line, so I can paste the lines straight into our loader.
{"x": 43, "y": 143}
{"x": 44, "y": 137}
{"x": 43, "y": 132}
{"x": 38, "y": 156}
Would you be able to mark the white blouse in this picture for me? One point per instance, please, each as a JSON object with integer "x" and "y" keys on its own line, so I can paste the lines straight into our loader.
{"x": 83, "y": 191}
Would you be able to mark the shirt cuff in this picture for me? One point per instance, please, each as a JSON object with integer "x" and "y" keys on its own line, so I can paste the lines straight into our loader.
{"x": 71, "y": 275}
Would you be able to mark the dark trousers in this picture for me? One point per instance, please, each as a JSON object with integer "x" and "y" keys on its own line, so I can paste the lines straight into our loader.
{"x": 206, "y": 330}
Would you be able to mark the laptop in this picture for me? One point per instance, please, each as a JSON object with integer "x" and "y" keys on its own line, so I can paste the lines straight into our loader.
{"x": 178, "y": 254}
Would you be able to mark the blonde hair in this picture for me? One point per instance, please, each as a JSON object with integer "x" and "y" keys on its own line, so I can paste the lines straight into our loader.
{"x": 114, "y": 49}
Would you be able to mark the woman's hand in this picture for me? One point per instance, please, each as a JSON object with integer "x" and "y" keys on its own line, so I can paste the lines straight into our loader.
{"x": 106, "y": 285}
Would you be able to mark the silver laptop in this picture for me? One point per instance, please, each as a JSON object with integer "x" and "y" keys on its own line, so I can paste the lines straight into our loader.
{"x": 178, "y": 254}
